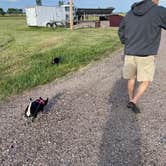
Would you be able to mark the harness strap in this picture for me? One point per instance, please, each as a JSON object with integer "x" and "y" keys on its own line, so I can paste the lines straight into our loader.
{"x": 40, "y": 101}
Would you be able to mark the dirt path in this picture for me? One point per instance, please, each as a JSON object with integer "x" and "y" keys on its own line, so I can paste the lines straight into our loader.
{"x": 87, "y": 122}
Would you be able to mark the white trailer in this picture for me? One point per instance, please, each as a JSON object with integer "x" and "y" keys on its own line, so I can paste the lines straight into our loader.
{"x": 43, "y": 16}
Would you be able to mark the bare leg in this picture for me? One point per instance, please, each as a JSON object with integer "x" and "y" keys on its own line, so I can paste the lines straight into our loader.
{"x": 131, "y": 85}
{"x": 141, "y": 90}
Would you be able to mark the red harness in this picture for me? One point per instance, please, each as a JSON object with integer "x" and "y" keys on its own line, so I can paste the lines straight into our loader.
{"x": 40, "y": 101}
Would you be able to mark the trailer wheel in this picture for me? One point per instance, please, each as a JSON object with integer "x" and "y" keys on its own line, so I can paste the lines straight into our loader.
{"x": 48, "y": 25}
{"x": 54, "y": 25}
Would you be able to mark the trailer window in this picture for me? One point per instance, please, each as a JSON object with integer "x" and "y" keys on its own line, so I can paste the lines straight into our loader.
{"x": 67, "y": 17}
{"x": 67, "y": 9}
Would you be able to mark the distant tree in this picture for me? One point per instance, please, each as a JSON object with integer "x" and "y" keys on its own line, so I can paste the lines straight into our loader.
{"x": 39, "y": 2}
{"x": 10, "y": 11}
{"x": 18, "y": 11}
{"x": 2, "y": 11}
{"x": 61, "y": 2}
{"x": 14, "y": 11}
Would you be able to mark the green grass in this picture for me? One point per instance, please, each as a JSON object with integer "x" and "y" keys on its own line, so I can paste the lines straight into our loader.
{"x": 26, "y": 53}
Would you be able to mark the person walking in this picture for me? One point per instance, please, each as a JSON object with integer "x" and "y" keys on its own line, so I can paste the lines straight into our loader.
{"x": 140, "y": 32}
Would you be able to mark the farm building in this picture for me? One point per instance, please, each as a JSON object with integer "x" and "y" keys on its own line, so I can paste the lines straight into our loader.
{"x": 91, "y": 17}
{"x": 84, "y": 13}
{"x": 115, "y": 20}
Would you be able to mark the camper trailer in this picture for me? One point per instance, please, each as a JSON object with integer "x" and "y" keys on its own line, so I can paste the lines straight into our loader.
{"x": 47, "y": 16}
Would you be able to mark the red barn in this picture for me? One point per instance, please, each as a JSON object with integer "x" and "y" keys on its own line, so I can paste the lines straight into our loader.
{"x": 115, "y": 20}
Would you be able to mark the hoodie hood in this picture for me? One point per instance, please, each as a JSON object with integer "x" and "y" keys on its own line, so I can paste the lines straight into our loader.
{"x": 143, "y": 7}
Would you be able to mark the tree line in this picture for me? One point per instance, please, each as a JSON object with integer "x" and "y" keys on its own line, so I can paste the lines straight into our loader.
{"x": 11, "y": 11}
{"x": 20, "y": 11}
{"x": 60, "y": 2}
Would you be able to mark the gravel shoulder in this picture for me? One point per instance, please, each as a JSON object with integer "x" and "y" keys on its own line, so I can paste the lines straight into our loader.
{"x": 86, "y": 122}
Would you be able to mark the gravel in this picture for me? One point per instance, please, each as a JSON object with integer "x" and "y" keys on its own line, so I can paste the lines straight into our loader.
{"x": 86, "y": 122}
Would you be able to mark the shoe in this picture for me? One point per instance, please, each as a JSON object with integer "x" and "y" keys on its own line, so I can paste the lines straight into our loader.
{"x": 134, "y": 107}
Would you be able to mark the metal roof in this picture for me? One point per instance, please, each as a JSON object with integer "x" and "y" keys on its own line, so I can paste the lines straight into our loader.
{"x": 99, "y": 11}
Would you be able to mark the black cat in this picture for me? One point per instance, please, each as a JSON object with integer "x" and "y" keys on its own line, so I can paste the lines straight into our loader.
{"x": 35, "y": 107}
{"x": 56, "y": 60}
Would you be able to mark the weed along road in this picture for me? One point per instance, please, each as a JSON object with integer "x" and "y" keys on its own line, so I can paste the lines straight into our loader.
{"x": 86, "y": 121}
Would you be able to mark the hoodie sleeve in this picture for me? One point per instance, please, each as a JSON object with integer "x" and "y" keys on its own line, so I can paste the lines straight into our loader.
{"x": 121, "y": 31}
{"x": 163, "y": 17}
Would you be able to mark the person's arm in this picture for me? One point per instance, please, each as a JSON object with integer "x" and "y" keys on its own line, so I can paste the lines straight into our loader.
{"x": 121, "y": 31}
{"x": 163, "y": 17}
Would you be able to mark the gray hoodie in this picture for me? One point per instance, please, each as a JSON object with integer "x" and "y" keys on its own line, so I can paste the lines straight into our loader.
{"x": 140, "y": 30}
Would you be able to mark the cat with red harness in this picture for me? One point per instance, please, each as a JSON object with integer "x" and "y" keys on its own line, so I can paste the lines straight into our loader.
{"x": 35, "y": 107}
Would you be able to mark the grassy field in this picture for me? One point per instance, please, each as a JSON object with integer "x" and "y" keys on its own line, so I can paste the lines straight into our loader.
{"x": 26, "y": 53}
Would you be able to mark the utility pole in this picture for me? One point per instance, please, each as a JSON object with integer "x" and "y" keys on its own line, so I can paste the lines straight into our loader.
{"x": 71, "y": 14}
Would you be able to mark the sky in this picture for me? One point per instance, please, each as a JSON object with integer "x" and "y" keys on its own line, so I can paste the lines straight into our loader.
{"x": 119, "y": 5}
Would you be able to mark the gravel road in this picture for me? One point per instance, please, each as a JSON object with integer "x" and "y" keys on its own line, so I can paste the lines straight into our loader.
{"x": 86, "y": 122}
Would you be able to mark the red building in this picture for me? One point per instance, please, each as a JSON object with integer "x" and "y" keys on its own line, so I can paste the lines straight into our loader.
{"x": 115, "y": 20}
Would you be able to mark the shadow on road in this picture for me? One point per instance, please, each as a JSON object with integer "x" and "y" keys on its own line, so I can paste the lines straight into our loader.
{"x": 52, "y": 102}
{"x": 120, "y": 144}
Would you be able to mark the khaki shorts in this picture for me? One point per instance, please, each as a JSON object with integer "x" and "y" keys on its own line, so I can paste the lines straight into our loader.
{"x": 142, "y": 68}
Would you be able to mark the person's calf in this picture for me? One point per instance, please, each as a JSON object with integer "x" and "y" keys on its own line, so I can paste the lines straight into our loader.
{"x": 141, "y": 90}
{"x": 131, "y": 85}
